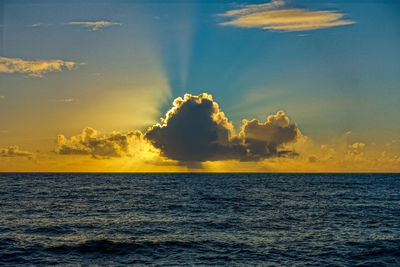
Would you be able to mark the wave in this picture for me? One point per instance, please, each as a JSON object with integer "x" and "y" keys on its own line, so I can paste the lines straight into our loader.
{"x": 204, "y": 251}
{"x": 105, "y": 246}
{"x": 50, "y": 230}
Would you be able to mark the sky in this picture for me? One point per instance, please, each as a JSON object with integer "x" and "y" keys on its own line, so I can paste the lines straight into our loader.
{"x": 267, "y": 86}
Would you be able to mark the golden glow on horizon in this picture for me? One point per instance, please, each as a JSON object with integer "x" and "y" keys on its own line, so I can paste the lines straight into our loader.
{"x": 91, "y": 151}
{"x": 116, "y": 76}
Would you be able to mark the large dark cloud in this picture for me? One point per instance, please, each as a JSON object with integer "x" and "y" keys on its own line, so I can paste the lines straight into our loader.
{"x": 196, "y": 130}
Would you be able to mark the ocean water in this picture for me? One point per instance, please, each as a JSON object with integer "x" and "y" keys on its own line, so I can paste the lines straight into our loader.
{"x": 51, "y": 219}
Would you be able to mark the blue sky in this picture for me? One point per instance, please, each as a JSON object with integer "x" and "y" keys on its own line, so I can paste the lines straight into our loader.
{"x": 329, "y": 81}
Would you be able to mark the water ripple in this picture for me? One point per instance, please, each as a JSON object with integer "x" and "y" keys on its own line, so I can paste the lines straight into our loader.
{"x": 199, "y": 219}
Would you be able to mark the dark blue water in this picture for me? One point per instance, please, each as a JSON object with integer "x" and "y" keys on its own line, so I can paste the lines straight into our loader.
{"x": 200, "y": 219}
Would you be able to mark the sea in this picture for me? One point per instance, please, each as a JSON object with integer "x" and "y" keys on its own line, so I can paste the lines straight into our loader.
{"x": 199, "y": 219}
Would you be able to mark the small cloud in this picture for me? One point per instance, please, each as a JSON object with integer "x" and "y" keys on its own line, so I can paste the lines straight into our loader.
{"x": 355, "y": 151}
{"x": 40, "y": 24}
{"x": 34, "y": 68}
{"x": 89, "y": 143}
{"x": 266, "y": 139}
{"x": 67, "y": 100}
{"x": 274, "y": 16}
{"x": 95, "y": 25}
{"x": 357, "y": 145}
{"x": 3, "y": 131}
{"x": 14, "y": 151}
{"x": 2, "y": 97}
{"x": 312, "y": 159}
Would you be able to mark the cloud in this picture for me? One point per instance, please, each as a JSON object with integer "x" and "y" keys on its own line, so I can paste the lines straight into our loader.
{"x": 34, "y": 68}
{"x": 196, "y": 134}
{"x": 193, "y": 131}
{"x": 196, "y": 130}
{"x": 265, "y": 139}
{"x": 89, "y": 143}
{"x": 95, "y": 25}
{"x": 357, "y": 145}
{"x": 2, "y": 97}
{"x": 35, "y": 25}
{"x": 248, "y": 9}
{"x": 115, "y": 145}
{"x": 67, "y": 100}
{"x": 276, "y": 17}
{"x": 340, "y": 155}
{"x": 312, "y": 159}
{"x": 14, "y": 151}
{"x": 355, "y": 151}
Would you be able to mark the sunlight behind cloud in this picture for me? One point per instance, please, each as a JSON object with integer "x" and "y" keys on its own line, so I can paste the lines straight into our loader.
{"x": 185, "y": 43}
{"x": 176, "y": 55}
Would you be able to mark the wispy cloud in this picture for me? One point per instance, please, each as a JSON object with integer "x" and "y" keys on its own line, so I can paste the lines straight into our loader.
{"x": 35, "y": 25}
{"x": 95, "y": 25}
{"x": 275, "y": 16}
{"x": 41, "y": 24}
{"x": 34, "y": 68}
{"x": 2, "y": 97}
{"x": 67, "y": 100}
